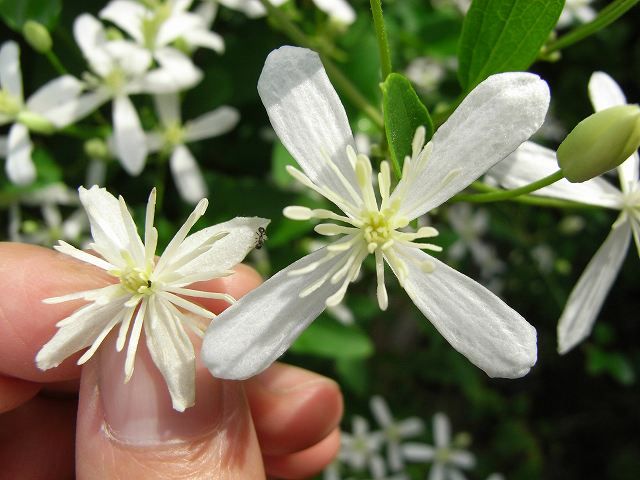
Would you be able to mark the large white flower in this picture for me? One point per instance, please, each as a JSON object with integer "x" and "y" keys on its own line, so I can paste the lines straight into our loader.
{"x": 447, "y": 459}
{"x": 42, "y": 109}
{"x": 532, "y": 162}
{"x": 307, "y": 115}
{"x": 175, "y": 135}
{"x": 149, "y": 292}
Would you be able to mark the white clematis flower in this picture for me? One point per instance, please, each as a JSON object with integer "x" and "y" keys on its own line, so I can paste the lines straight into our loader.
{"x": 339, "y": 11}
{"x": 532, "y": 162}
{"x": 307, "y": 115}
{"x": 149, "y": 292}
{"x": 44, "y": 110}
{"x": 576, "y": 11}
{"x": 360, "y": 449}
{"x": 175, "y": 135}
{"x": 447, "y": 459}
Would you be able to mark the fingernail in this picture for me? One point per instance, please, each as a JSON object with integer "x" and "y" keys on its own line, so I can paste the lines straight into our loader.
{"x": 140, "y": 412}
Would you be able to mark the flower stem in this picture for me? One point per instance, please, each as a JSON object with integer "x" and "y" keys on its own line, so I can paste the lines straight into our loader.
{"x": 499, "y": 195}
{"x": 55, "y": 62}
{"x": 381, "y": 35}
{"x": 339, "y": 78}
{"x": 607, "y": 15}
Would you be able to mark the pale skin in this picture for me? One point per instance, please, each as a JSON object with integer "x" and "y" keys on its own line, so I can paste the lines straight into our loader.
{"x": 284, "y": 423}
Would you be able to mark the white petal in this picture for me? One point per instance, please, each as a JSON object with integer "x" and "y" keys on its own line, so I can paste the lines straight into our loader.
{"x": 418, "y": 452}
{"x": 629, "y": 172}
{"x": 176, "y": 72}
{"x": 492, "y": 335}
{"x": 531, "y": 162}
{"x": 171, "y": 351}
{"x": 177, "y": 25}
{"x": 339, "y": 10}
{"x": 127, "y": 15}
{"x": 90, "y": 37}
{"x": 132, "y": 58}
{"x": 20, "y": 168}
{"x": 225, "y": 253}
{"x": 588, "y": 295}
{"x": 437, "y": 472}
{"x": 155, "y": 141}
{"x": 211, "y": 124}
{"x": 251, "y": 8}
{"x": 205, "y": 39}
{"x": 10, "y": 74}
{"x": 4, "y": 142}
{"x": 129, "y": 138}
{"x": 604, "y": 92}
{"x": 251, "y": 334}
{"x": 307, "y": 115}
{"x": 187, "y": 175}
{"x": 108, "y": 227}
{"x": 77, "y": 335}
{"x": 462, "y": 459}
{"x": 168, "y": 108}
{"x": 78, "y": 107}
{"x": 380, "y": 411}
{"x": 53, "y": 95}
{"x": 493, "y": 120}
{"x": 410, "y": 427}
{"x": 441, "y": 430}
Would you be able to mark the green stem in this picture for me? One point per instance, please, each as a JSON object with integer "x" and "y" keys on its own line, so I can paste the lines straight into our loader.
{"x": 381, "y": 35}
{"x": 500, "y": 195}
{"x": 607, "y": 15}
{"x": 55, "y": 62}
{"x": 345, "y": 85}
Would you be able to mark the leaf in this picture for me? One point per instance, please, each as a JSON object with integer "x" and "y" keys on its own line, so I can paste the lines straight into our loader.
{"x": 403, "y": 114}
{"x": 16, "y": 12}
{"x": 329, "y": 339}
{"x": 503, "y": 36}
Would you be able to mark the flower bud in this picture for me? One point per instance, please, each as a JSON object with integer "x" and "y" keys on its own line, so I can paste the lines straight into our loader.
{"x": 35, "y": 122}
{"x": 600, "y": 142}
{"x": 37, "y": 36}
{"x": 96, "y": 148}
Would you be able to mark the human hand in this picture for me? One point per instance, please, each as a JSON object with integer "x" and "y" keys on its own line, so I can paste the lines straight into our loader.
{"x": 282, "y": 423}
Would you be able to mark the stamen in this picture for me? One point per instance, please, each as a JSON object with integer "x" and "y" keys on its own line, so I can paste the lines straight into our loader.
{"x": 330, "y": 229}
{"x": 381, "y": 290}
{"x": 295, "y": 212}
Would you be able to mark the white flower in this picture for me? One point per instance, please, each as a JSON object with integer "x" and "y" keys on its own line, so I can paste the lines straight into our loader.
{"x": 446, "y": 458}
{"x": 338, "y": 10}
{"x": 175, "y": 135}
{"x": 307, "y": 115}
{"x": 149, "y": 292}
{"x": 157, "y": 28}
{"x": 532, "y": 162}
{"x": 42, "y": 109}
{"x": 576, "y": 11}
{"x": 360, "y": 448}
{"x": 394, "y": 431}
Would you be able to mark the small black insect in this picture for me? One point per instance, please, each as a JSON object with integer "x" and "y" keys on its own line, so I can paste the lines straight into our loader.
{"x": 262, "y": 237}
{"x": 148, "y": 283}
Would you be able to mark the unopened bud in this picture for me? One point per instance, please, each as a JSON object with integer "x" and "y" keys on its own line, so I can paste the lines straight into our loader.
{"x": 96, "y": 148}
{"x": 37, "y": 36}
{"x": 35, "y": 122}
{"x": 600, "y": 142}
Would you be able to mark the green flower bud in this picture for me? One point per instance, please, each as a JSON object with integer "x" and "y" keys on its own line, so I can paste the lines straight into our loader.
{"x": 600, "y": 142}
{"x": 96, "y": 148}
{"x": 37, "y": 36}
{"x": 35, "y": 122}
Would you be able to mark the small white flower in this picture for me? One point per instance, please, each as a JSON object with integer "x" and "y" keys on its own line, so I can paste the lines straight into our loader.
{"x": 576, "y": 11}
{"x": 338, "y": 10}
{"x": 149, "y": 292}
{"x": 360, "y": 449}
{"x": 447, "y": 460}
{"x": 42, "y": 108}
{"x": 394, "y": 431}
{"x": 310, "y": 120}
{"x": 175, "y": 135}
{"x": 532, "y": 162}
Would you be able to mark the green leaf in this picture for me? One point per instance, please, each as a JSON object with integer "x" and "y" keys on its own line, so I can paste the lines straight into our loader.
{"x": 403, "y": 114}
{"x": 503, "y": 36}
{"x": 16, "y": 12}
{"x": 329, "y": 339}
{"x": 280, "y": 158}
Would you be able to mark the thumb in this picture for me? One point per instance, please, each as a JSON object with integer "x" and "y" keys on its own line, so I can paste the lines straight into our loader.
{"x": 131, "y": 430}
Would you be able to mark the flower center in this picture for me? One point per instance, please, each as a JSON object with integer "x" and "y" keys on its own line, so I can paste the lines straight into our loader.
{"x": 136, "y": 281}
{"x": 9, "y": 105}
{"x": 174, "y": 134}
{"x": 115, "y": 80}
{"x": 377, "y": 228}
{"x": 442, "y": 455}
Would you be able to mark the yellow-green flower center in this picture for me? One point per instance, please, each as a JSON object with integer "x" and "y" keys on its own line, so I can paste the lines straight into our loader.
{"x": 115, "y": 80}
{"x": 9, "y": 105}
{"x": 135, "y": 280}
{"x": 377, "y": 228}
{"x": 174, "y": 134}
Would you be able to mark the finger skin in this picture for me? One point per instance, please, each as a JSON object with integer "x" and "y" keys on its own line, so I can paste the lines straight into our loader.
{"x": 293, "y": 408}
{"x": 37, "y": 440}
{"x": 15, "y": 392}
{"x": 307, "y": 462}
